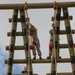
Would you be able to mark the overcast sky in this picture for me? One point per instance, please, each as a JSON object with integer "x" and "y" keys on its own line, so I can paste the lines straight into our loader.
{"x": 41, "y": 19}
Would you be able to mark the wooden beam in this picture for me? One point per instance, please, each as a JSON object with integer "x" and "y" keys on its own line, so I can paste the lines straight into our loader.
{"x": 65, "y": 45}
{"x": 37, "y": 5}
{"x": 17, "y": 34}
{"x": 18, "y": 20}
{"x": 61, "y": 18}
{"x": 19, "y": 47}
{"x": 23, "y": 61}
{"x": 62, "y": 73}
{"x": 62, "y": 32}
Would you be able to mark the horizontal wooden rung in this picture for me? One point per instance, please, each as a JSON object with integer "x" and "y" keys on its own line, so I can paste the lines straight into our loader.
{"x": 61, "y": 18}
{"x": 65, "y": 45}
{"x": 17, "y": 34}
{"x": 62, "y": 32}
{"x": 18, "y": 20}
{"x": 61, "y": 73}
{"x": 60, "y": 46}
{"x": 20, "y": 47}
{"x": 23, "y": 61}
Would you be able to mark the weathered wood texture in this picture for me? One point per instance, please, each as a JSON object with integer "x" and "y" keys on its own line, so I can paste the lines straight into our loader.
{"x": 37, "y": 5}
{"x": 61, "y": 18}
{"x": 23, "y": 61}
{"x": 62, "y": 32}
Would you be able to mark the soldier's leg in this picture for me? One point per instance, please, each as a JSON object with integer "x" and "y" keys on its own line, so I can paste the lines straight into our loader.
{"x": 50, "y": 53}
{"x": 34, "y": 50}
{"x": 34, "y": 53}
{"x": 38, "y": 50}
{"x": 37, "y": 44}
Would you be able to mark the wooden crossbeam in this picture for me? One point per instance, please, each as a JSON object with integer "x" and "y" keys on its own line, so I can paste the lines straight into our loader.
{"x": 62, "y": 32}
{"x": 61, "y": 18}
{"x": 23, "y": 61}
{"x": 61, "y": 73}
{"x": 18, "y": 20}
{"x": 65, "y": 45}
{"x": 17, "y": 34}
{"x": 19, "y": 47}
{"x": 37, "y": 5}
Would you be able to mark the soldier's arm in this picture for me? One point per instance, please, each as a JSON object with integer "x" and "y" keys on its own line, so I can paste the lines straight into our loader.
{"x": 33, "y": 29}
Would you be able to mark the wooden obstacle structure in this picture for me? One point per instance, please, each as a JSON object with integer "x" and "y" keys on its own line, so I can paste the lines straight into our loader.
{"x": 55, "y": 32}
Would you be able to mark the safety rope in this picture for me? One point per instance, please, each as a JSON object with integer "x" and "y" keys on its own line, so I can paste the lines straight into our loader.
{"x": 53, "y": 25}
{"x": 26, "y": 8}
{"x": 26, "y": 14}
{"x": 55, "y": 5}
{"x": 28, "y": 30}
{"x": 55, "y": 8}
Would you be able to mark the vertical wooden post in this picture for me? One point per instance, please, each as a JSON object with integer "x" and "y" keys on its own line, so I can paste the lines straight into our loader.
{"x": 26, "y": 42}
{"x": 69, "y": 38}
{"x": 12, "y": 43}
{"x": 55, "y": 42}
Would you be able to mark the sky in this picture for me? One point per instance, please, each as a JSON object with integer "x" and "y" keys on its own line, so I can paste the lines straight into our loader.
{"x": 41, "y": 19}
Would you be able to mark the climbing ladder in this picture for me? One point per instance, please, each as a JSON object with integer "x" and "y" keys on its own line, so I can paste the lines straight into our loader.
{"x": 55, "y": 32}
{"x": 12, "y": 46}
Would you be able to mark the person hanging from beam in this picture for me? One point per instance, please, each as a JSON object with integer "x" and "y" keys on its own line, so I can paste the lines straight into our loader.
{"x": 36, "y": 42}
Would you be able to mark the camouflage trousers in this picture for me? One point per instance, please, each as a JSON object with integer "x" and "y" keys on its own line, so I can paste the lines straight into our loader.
{"x": 37, "y": 47}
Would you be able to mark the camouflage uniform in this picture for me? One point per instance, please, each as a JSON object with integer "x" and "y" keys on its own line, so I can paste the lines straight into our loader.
{"x": 50, "y": 50}
{"x": 36, "y": 42}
